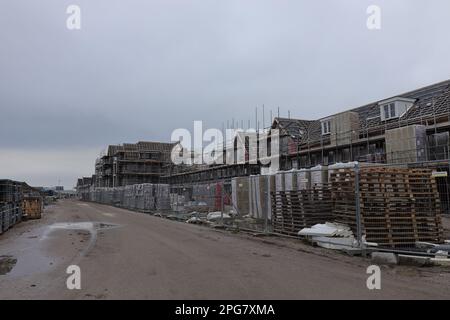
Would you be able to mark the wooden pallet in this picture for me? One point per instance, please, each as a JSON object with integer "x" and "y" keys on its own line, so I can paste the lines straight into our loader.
{"x": 295, "y": 210}
{"x": 398, "y": 206}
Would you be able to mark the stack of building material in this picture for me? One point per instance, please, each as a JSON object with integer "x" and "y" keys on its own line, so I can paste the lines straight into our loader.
{"x": 343, "y": 196}
{"x": 205, "y": 194}
{"x": 116, "y": 196}
{"x": 127, "y": 194}
{"x": 161, "y": 196}
{"x": 398, "y": 206}
{"x": 5, "y": 216}
{"x": 290, "y": 180}
{"x": 331, "y": 236}
{"x": 406, "y": 144}
{"x": 280, "y": 183}
{"x": 10, "y": 204}
{"x": 240, "y": 195}
{"x": 304, "y": 179}
{"x": 271, "y": 190}
{"x": 32, "y": 206}
{"x": 340, "y": 165}
{"x": 177, "y": 202}
{"x": 121, "y": 196}
{"x": 259, "y": 196}
{"x": 295, "y": 210}
{"x": 319, "y": 176}
{"x": 142, "y": 197}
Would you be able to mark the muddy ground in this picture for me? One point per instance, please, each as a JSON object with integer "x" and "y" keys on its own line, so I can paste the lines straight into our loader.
{"x": 124, "y": 254}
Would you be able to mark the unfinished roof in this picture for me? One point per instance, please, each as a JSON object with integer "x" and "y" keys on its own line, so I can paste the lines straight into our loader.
{"x": 141, "y": 146}
{"x": 292, "y": 127}
{"x": 429, "y": 101}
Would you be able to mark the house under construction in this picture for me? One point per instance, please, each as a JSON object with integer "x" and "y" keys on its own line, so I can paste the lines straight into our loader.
{"x": 408, "y": 128}
{"x": 399, "y": 200}
{"x": 128, "y": 164}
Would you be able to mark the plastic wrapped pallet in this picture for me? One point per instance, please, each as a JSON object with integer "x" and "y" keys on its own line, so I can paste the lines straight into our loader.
{"x": 1, "y": 218}
{"x": 254, "y": 192}
{"x": 279, "y": 182}
{"x": 290, "y": 180}
{"x": 271, "y": 189}
{"x": 340, "y": 165}
{"x": 319, "y": 176}
{"x": 177, "y": 202}
{"x": 259, "y": 197}
{"x": 162, "y": 197}
{"x": 122, "y": 196}
{"x": 240, "y": 195}
{"x": 146, "y": 199}
{"x": 204, "y": 193}
{"x": 304, "y": 179}
{"x": 139, "y": 197}
{"x": 6, "y": 217}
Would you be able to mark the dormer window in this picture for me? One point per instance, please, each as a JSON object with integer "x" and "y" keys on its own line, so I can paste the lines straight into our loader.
{"x": 389, "y": 111}
{"x": 395, "y": 107}
{"x": 326, "y": 127}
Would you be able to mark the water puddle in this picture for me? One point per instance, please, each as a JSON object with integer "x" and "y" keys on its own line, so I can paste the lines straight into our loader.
{"x": 7, "y": 263}
{"x": 36, "y": 253}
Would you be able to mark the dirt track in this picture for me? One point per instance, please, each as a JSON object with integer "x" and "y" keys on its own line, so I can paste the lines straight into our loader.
{"x": 134, "y": 255}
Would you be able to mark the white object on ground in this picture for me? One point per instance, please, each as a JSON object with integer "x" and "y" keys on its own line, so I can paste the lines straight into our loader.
{"x": 384, "y": 258}
{"x": 194, "y": 220}
{"x": 217, "y": 215}
{"x": 441, "y": 262}
{"x": 327, "y": 230}
{"x": 335, "y": 243}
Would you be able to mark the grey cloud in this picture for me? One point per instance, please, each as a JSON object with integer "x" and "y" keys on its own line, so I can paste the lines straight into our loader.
{"x": 139, "y": 69}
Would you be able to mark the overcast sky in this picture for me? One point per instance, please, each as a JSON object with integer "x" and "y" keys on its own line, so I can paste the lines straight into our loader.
{"x": 137, "y": 70}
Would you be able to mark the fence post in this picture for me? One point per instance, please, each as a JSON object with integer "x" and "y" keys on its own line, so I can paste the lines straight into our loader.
{"x": 447, "y": 184}
{"x": 221, "y": 201}
{"x": 358, "y": 208}
{"x": 266, "y": 213}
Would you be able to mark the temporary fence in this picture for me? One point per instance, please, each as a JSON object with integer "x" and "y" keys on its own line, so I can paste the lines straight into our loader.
{"x": 145, "y": 197}
{"x": 359, "y": 205}
{"x": 381, "y": 205}
{"x": 388, "y": 206}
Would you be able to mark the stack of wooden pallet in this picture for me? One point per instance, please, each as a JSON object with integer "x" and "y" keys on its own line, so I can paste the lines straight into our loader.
{"x": 10, "y": 204}
{"x": 295, "y": 210}
{"x": 399, "y": 206}
{"x": 32, "y": 207}
{"x": 343, "y": 195}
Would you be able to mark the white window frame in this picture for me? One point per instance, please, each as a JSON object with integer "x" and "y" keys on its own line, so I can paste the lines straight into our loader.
{"x": 326, "y": 127}
{"x": 388, "y": 109}
{"x": 394, "y": 108}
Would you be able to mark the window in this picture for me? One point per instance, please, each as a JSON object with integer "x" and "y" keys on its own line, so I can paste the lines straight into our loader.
{"x": 392, "y": 107}
{"x": 326, "y": 127}
{"x": 395, "y": 107}
{"x": 389, "y": 111}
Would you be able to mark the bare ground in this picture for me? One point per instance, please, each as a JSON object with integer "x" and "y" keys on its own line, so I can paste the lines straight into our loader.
{"x": 129, "y": 255}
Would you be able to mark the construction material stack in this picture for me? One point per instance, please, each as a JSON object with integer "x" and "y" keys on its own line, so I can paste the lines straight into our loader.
{"x": 398, "y": 206}
{"x": 32, "y": 207}
{"x": 10, "y": 204}
{"x": 303, "y": 203}
{"x": 146, "y": 197}
{"x": 298, "y": 209}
